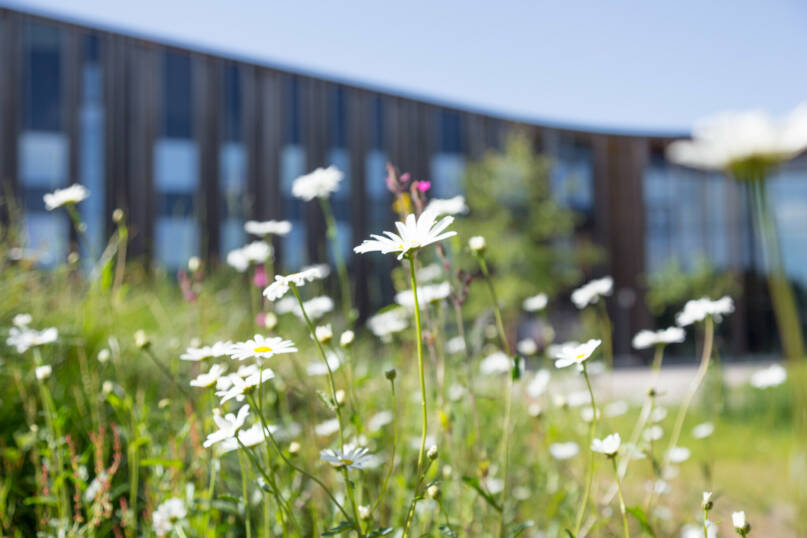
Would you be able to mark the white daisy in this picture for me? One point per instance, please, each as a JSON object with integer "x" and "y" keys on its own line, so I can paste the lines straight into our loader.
{"x": 319, "y": 368}
{"x": 24, "y": 339}
{"x": 22, "y": 321}
{"x": 702, "y": 431}
{"x": 771, "y": 376}
{"x": 496, "y": 363}
{"x": 738, "y": 520}
{"x": 219, "y": 349}
{"x": 574, "y": 353}
{"x": 249, "y": 437}
{"x": 257, "y": 251}
{"x": 430, "y": 272}
{"x": 413, "y": 234}
{"x": 43, "y": 372}
{"x": 318, "y": 184}
{"x": 477, "y": 243}
{"x": 645, "y": 339}
{"x": 210, "y": 378}
{"x": 268, "y": 227}
{"x": 653, "y": 433}
{"x": 169, "y": 515}
{"x": 697, "y": 310}
{"x": 71, "y": 195}
{"x": 678, "y": 454}
{"x": 429, "y": 293}
{"x": 591, "y": 292}
{"x": 241, "y": 386}
{"x": 564, "y": 451}
{"x": 346, "y": 338}
{"x": 448, "y": 206}
{"x": 329, "y": 427}
{"x": 455, "y": 345}
{"x": 539, "y": 383}
{"x": 388, "y": 322}
{"x": 261, "y": 347}
{"x": 238, "y": 260}
{"x": 608, "y": 446}
{"x": 379, "y": 420}
{"x": 228, "y": 426}
{"x": 535, "y": 303}
{"x": 315, "y": 308}
{"x": 280, "y": 286}
{"x": 616, "y": 409}
{"x": 527, "y": 346}
{"x": 350, "y": 457}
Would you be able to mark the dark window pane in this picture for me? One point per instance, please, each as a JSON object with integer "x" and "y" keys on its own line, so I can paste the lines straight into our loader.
{"x": 177, "y": 95}
{"x": 232, "y": 103}
{"x": 292, "y": 111}
{"x": 42, "y": 82}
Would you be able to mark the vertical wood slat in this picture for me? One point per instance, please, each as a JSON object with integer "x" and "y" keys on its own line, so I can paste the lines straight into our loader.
{"x": 70, "y": 103}
{"x": 206, "y": 73}
{"x": 11, "y": 51}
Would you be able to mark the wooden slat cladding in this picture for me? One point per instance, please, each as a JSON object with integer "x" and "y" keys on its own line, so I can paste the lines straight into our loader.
{"x": 10, "y": 109}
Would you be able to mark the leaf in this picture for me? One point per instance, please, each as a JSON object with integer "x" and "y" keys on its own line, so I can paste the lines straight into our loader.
{"x": 380, "y": 532}
{"x": 569, "y": 533}
{"x": 473, "y": 482}
{"x": 326, "y": 400}
{"x": 641, "y": 517}
{"x": 516, "y": 368}
{"x": 339, "y": 529}
{"x": 521, "y": 527}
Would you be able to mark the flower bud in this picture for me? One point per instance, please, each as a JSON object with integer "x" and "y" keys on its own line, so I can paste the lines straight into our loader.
{"x": 193, "y": 264}
{"x": 433, "y": 491}
{"x": 432, "y": 453}
{"x": 341, "y": 396}
{"x": 294, "y": 447}
{"x": 72, "y": 258}
{"x": 391, "y": 374}
{"x": 107, "y": 387}
{"x": 117, "y": 215}
{"x": 103, "y": 355}
{"x": 477, "y": 244}
{"x": 324, "y": 333}
{"x": 364, "y": 512}
{"x": 43, "y": 372}
{"x": 346, "y": 339}
{"x": 141, "y": 339}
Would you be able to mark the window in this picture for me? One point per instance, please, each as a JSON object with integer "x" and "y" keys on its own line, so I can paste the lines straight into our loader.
{"x": 787, "y": 194}
{"x": 292, "y": 166}
{"x": 91, "y": 146}
{"x": 447, "y": 165}
{"x": 176, "y": 167}
{"x": 572, "y": 175}
{"x": 232, "y": 163}
{"x": 338, "y": 156}
{"x": 42, "y": 145}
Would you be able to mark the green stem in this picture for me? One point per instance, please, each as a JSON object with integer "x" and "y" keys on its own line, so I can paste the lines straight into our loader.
{"x": 341, "y": 266}
{"x": 705, "y": 523}
{"x": 244, "y": 493}
{"x": 590, "y": 464}
{"x": 508, "y": 403}
{"x": 394, "y": 444}
{"x": 622, "y": 508}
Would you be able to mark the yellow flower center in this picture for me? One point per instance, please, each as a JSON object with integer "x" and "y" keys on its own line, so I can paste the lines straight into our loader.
{"x": 581, "y": 356}
{"x": 263, "y": 349}
{"x": 346, "y": 461}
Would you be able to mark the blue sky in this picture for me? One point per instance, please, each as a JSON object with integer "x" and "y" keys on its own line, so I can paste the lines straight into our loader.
{"x": 631, "y": 66}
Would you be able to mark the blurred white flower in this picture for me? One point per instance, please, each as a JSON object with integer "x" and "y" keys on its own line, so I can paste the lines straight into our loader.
{"x": 413, "y": 234}
{"x": 771, "y": 376}
{"x": 329, "y": 427}
{"x": 280, "y": 286}
{"x": 249, "y": 437}
{"x": 379, "y": 420}
{"x": 228, "y": 426}
{"x": 448, "y": 206}
{"x": 218, "y": 349}
{"x": 702, "y": 431}
{"x": 22, "y": 321}
{"x": 269, "y": 227}
{"x": 455, "y": 345}
{"x": 564, "y": 451}
{"x": 317, "y": 184}
{"x": 318, "y": 367}
{"x": 430, "y": 272}
{"x": 527, "y": 346}
{"x": 653, "y": 433}
{"x": 24, "y": 339}
{"x": 261, "y": 347}
{"x": 496, "y": 363}
{"x": 538, "y": 384}
{"x": 574, "y": 353}
{"x": 388, "y": 322}
{"x": 731, "y": 138}
{"x": 535, "y": 303}
{"x": 696, "y": 531}
{"x": 658, "y": 414}
{"x": 587, "y": 414}
{"x": 71, "y": 195}
{"x": 350, "y": 457}
{"x": 346, "y": 338}
{"x": 43, "y": 372}
{"x": 428, "y": 293}
{"x": 616, "y": 408}
{"x": 645, "y": 339}
{"x": 104, "y": 355}
{"x": 738, "y": 520}
{"x": 323, "y": 333}
{"x": 697, "y": 310}
{"x": 257, "y": 251}
{"x": 678, "y": 454}
{"x": 315, "y": 308}
{"x": 210, "y": 378}
{"x": 608, "y": 446}
{"x": 456, "y": 392}
{"x": 591, "y": 292}
{"x": 169, "y": 515}
{"x": 494, "y": 485}
{"x": 237, "y": 259}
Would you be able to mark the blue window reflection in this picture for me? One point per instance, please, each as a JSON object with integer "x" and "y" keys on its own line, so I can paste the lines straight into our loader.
{"x": 788, "y": 198}
{"x": 91, "y": 146}
{"x": 42, "y": 145}
{"x": 448, "y": 165}
{"x": 292, "y": 166}
{"x": 176, "y": 167}
{"x": 340, "y": 157}
{"x": 232, "y": 163}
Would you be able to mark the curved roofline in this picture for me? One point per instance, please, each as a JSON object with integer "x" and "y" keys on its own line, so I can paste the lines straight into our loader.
{"x": 335, "y": 78}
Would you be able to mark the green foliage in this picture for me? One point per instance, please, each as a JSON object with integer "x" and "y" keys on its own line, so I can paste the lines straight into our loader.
{"x": 671, "y": 287}
{"x": 531, "y": 246}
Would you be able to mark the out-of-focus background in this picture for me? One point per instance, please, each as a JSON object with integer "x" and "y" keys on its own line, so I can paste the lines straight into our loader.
{"x": 195, "y": 116}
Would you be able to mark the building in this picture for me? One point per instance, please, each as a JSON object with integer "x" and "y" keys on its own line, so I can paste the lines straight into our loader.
{"x": 190, "y": 143}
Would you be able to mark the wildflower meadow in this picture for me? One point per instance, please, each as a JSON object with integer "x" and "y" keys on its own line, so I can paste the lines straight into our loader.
{"x": 248, "y": 399}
